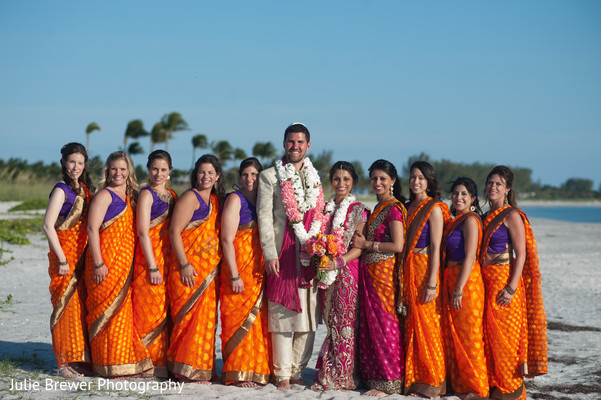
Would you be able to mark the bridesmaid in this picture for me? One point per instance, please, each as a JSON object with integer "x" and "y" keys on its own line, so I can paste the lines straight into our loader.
{"x": 515, "y": 325}
{"x": 381, "y": 350}
{"x": 117, "y": 350}
{"x": 65, "y": 225}
{"x": 245, "y": 343}
{"x": 154, "y": 209}
{"x": 463, "y": 294}
{"x": 425, "y": 370}
{"x": 193, "y": 275}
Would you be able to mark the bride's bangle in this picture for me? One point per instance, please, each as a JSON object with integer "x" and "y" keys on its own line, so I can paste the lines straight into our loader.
{"x": 375, "y": 247}
{"x": 339, "y": 262}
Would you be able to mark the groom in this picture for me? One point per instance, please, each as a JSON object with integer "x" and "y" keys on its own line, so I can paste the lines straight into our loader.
{"x": 290, "y": 205}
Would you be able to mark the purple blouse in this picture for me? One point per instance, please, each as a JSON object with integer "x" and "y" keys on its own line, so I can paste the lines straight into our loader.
{"x": 71, "y": 195}
{"x": 248, "y": 212}
{"x": 499, "y": 240}
{"x": 424, "y": 237}
{"x": 159, "y": 206}
{"x": 202, "y": 211}
{"x": 117, "y": 206}
{"x": 455, "y": 244}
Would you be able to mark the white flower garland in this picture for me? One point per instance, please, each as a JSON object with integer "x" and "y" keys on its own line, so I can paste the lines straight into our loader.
{"x": 305, "y": 197}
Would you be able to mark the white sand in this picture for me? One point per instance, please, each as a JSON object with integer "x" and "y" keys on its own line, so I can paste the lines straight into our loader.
{"x": 571, "y": 270}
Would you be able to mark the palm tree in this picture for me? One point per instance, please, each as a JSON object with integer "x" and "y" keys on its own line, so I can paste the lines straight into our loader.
{"x": 135, "y": 129}
{"x": 157, "y": 135}
{"x": 239, "y": 154}
{"x": 198, "y": 142}
{"x": 171, "y": 123}
{"x": 135, "y": 148}
{"x": 223, "y": 149}
{"x": 264, "y": 150}
{"x": 93, "y": 126}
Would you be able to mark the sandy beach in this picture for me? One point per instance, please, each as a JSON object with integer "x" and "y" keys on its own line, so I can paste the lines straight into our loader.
{"x": 571, "y": 270}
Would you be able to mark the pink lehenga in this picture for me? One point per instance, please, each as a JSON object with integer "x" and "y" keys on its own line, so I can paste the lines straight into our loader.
{"x": 335, "y": 368}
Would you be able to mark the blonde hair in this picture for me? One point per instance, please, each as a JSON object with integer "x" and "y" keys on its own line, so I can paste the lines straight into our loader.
{"x": 132, "y": 182}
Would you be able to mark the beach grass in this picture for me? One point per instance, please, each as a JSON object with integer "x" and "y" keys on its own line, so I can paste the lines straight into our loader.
{"x": 31, "y": 204}
{"x": 15, "y": 231}
{"x": 18, "y": 191}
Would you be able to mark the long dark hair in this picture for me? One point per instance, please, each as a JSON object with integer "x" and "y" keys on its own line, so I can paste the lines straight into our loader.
{"x": 250, "y": 162}
{"x": 219, "y": 187}
{"x": 159, "y": 155}
{"x": 471, "y": 188}
{"x": 507, "y": 174}
{"x": 66, "y": 151}
{"x": 388, "y": 167}
{"x": 427, "y": 169}
{"x": 345, "y": 166}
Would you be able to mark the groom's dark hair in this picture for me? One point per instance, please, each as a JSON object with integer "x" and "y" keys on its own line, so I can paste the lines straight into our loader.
{"x": 297, "y": 127}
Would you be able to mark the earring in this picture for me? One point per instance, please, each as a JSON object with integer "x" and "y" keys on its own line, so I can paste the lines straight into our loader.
{"x": 472, "y": 208}
{"x": 391, "y": 190}
{"x": 168, "y": 177}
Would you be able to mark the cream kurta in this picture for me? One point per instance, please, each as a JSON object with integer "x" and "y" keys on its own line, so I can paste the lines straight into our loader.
{"x": 272, "y": 223}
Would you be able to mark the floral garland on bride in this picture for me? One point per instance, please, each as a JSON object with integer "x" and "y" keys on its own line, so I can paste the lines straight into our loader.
{"x": 299, "y": 198}
{"x": 336, "y": 228}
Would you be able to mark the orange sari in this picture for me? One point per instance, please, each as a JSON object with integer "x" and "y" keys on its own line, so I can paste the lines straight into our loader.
{"x": 116, "y": 347}
{"x": 246, "y": 346}
{"x": 191, "y": 351}
{"x": 67, "y": 292}
{"x": 425, "y": 370}
{"x": 150, "y": 301}
{"x": 515, "y": 335}
{"x": 462, "y": 328}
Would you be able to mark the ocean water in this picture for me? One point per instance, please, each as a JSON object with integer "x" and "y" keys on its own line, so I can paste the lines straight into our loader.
{"x": 591, "y": 214}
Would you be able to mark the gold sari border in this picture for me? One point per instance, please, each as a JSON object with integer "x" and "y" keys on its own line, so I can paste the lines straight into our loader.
{"x": 67, "y": 295}
{"x": 496, "y": 394}
{"x": 388, "y": 387}
{"x": 247, "y": 225}
{"x": 154, "y": 334}
{"x": 427, "y": 390}
{"x": 242, "y": 331}
{"x": 105, "y": 318}
{"x": 108, "y": 223}
{"x": 190, "y": 372}
{"x": 230, "y": 377}
{"x": 194, "y": 298}
{"x": 424, "y": 250}
{"x": 124, "y": 369}
{"x": 68, "y": 222}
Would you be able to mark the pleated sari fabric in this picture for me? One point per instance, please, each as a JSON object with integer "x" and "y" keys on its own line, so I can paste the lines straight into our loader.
{"x": 116, "y": 347}
{"x": 463, "y": 328}
{"x": 150, "y": 301}
{"x": 515, "y": 335}
{"x": 191, "y": 353}
{"x": 245, "y": 342}
{"x": 67, "y": 292}
{"x": 425, "y": 370}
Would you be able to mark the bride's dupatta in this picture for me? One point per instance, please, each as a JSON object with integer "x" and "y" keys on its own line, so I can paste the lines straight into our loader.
{"x": 381, "y": 350}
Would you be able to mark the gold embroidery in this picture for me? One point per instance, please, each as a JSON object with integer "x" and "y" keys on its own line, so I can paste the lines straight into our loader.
{"x": 194, "y": 298}
{"x": 241, "y": 332}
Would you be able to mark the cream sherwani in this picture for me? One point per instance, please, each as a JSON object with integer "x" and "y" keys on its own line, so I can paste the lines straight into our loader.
{"x": 292, "y": 333}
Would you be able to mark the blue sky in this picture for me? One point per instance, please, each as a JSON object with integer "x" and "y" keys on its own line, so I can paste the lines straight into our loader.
{"x": 512, "y": 82}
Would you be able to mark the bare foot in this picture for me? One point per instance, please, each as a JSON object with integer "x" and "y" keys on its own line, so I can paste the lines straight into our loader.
{"x": 67, "y": 372}
{"x": 245, "y": 384}
{"x": 375, "y": 393}
{"x": 284, "y": 385}
{"x": 298, "y": 382}
{"x": 83, "y": 368}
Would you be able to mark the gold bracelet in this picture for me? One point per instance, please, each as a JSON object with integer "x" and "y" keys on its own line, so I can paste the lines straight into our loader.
{"x": 236, "y": 278}
{"x": 509, "y": 289}
{"x": 431, "y": 287}
{"x": 66, "y": 262}
{"x": 99, "y": 266}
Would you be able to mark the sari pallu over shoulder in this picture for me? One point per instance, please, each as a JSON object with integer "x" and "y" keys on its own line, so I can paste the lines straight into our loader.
{"x": 191, "y": 351}
{"x": 463, "y": 328}
{"x": 67, "y": 322}
{"x": 381, "y": 349}
{"x": 116, "y": 347}
{"x": 531, "y": 278}
{"x": 425, "y": 370}
{"x": 150, "y": 302}
{"x": 246, "y": 344}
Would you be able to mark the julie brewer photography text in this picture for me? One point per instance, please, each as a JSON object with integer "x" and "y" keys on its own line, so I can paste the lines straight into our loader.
{"x": 141, "y": 387}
